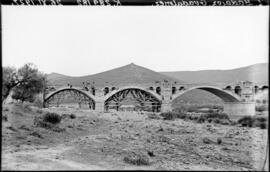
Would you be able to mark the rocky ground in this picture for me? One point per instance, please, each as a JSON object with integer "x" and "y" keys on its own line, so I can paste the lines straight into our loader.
{"x": 101, "y": 141}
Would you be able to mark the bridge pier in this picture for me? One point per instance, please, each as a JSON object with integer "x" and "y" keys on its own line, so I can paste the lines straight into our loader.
{"x": 237, "y": 110}
{"x": 166, "y": 107}
{"x": 99, "y": 106}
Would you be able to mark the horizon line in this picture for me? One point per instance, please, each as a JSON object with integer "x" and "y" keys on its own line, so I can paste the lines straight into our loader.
{"x": 157, "y": 71}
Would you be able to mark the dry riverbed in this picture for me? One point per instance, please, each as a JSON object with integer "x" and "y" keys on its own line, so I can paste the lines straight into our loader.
{"x": 101, "y": 141}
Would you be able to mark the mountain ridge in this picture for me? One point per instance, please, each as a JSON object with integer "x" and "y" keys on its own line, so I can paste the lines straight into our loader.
{"x": 130, "y": 73}
{"x": 257, "y": 73}
{"x": 133, "y": 73}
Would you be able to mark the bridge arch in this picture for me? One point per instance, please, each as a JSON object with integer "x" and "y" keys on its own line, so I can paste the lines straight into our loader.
{"x": 158, "y": 97}
{"x": 146, "y": 99}
{"x": 70, "y": 89}
{"x": 226, "y": 96}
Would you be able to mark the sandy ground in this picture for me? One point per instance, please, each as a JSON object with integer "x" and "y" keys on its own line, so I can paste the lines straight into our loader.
{"x": 100, "y": 141}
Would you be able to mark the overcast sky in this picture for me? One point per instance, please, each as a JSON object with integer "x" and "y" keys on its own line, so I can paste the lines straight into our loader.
{"x": 80, "y": 41}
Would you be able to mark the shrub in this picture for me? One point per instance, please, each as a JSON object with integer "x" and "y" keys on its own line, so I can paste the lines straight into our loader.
{"x": 217, "y": 115}
{"x": 137, "y": 159}
{"x": 245, "y": 121}
{"x": 58, "y": 129}
{"x": 168, "y": 115}
{"x": 36, "y": 134}
{"x": 72, "y": 116}
{"x": 39, "y": 111}
{"x": 261, "y": 108}
{"x": 219, "y": 141}
{"x": 248, "y": 121}
{"x": 181, "y": 115}
{"x": 262, "y": 125}
{"x": 52, "y": 118}
{"x": 225, "y": 122}
{"x": 216, "y": 121}
{"x": 261, "y": 119}
{"x": 41, "y": 122}
{"x": 152, "y": 116}
{"x": 201, "y": 119}
{"x": 4, "y": 118}
{"x": 195, "y": 117}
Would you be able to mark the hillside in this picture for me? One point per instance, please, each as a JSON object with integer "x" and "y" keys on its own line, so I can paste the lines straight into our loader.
{"x": 257, "y": 73}
{"x": 130, "y": 73}
{"x": 133, "y": 73}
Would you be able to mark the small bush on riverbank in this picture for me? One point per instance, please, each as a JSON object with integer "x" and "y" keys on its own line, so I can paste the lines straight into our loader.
{"x": 137, "y": 159}
{"x": 248, "y": 121}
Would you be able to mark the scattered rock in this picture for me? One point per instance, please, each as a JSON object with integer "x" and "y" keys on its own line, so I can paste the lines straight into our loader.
{"x": 207, "y": 140}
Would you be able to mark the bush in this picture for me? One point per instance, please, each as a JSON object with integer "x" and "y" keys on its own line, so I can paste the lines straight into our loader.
{"x": 137, "y": 159}
{"x": 219, "y": 141}
{"x": 217, "y": 121}
{"x": 201, "y": 119}
{"x": 168, "y": 115}
{"x": 262, "y": 125}
{"x": 215, "y": 117}
{"x": 153, "y": 116}
{"x": 248, "y": 121}
{"x": 43, "y": 122}
{"x": 36, "y": 134}
{"x": 72, "y": 116}
{"x": 4, "y": 118}
{"x": 39, "y": 122}
{"x": 39, "y": 111}
{"x": 261, "y": 108}
{"x": 245, "y": 121}
{"x": 52, "y": 118}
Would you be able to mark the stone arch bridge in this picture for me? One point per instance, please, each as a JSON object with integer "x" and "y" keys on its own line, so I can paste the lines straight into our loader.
{"x": 238, "y": 97}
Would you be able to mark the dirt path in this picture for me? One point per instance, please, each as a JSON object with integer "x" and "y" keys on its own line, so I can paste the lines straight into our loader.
{"x": 42, "y": 158}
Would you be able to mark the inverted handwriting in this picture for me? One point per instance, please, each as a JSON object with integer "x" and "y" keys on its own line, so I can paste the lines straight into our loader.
{"x": 182, "y": 3}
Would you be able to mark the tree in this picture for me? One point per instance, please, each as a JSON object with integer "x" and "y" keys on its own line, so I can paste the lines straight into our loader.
{"x": 26, "y": 82}
{"x": 10, "y": 80}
